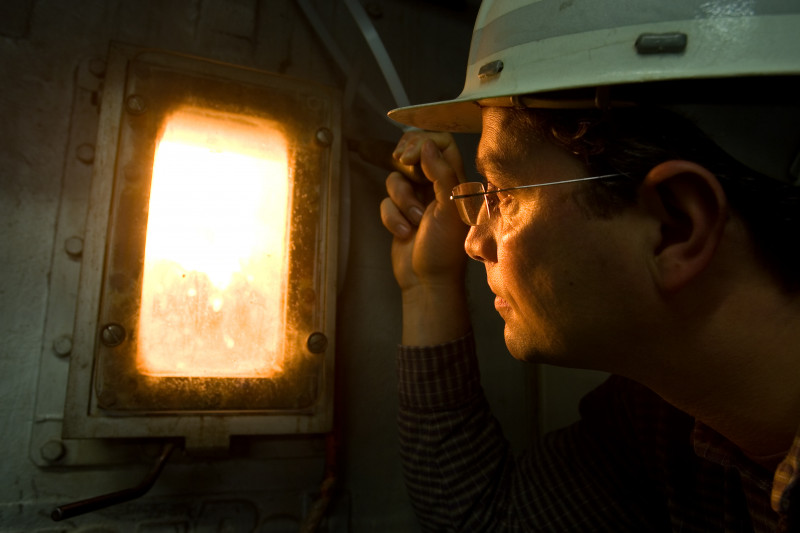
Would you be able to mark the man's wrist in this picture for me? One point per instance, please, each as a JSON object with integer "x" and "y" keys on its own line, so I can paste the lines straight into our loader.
{"x": 433, "y": 314}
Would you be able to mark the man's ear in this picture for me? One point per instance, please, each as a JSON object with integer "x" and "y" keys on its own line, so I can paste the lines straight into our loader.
{"x": 689, "y": 204}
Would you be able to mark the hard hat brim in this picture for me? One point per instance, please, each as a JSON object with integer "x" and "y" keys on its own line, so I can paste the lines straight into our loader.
{"x": 502, "y": 66}
{"x": 455, "y": 116}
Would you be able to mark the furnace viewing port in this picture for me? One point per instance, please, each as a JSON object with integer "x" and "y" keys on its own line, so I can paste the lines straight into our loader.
{"x": 207, "y": 288}
{"x": 214, "y": 261}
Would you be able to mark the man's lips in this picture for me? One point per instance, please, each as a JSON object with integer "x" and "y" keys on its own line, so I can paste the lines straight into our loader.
{"x": 500, "y": 304}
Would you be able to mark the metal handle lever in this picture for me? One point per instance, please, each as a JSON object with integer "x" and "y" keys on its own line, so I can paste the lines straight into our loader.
{"x": 69, "y": 510}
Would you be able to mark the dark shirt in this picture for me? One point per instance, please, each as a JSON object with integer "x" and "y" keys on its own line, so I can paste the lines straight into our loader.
{"x": 632, "y": 463}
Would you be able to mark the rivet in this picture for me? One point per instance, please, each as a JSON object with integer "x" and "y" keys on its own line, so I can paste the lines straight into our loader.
{"x": 661, "y": 43}
{"x": 112, "y": 335}
{"x": 490, "y": 70}
{"x": 324, "y": 136}
{"x": 53, "y": 450}
{"x": 135, "y": 104}
{"x": 317, "y": 342}
{"x": 63, "y": 345}
{"x": 74, "y": 246}
{"x": 97, "y": 66}
{"x": 85, "y": 153}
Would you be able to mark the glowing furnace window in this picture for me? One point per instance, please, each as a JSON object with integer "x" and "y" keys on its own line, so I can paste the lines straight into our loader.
{"x": 212, "y": 293}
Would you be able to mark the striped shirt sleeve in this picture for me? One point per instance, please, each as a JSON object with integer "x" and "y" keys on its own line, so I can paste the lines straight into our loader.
{"x": 462, "y": 475}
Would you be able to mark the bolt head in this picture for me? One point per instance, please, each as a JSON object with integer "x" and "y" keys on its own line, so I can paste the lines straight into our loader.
{"x": 85, "y": 153}
{"x": 53, "y": 451}
{"x": 324, "y": 136}
{"x": 97, "y": 66}
{"x": 317, "y": 342}
{"x": 135, "y": 104}
{"x": 74, "y": 246}
{"x": 63, "y": 345}
{"x": 112, "y": 335}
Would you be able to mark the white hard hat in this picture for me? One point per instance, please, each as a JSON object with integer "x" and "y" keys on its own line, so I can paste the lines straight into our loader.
{"x": 523, "y": 51}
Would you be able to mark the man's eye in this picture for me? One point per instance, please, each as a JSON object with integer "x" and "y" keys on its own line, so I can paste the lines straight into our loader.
{"x": 500, "y": 202}
{"x": 491, "y": 196}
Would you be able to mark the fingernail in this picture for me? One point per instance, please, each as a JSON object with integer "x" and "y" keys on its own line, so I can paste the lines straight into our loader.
{"x": 416, "y": 214}
{"x": 398, "y": 149}
{"x": 402, "y": 230}
{"x": 431, "y": 149}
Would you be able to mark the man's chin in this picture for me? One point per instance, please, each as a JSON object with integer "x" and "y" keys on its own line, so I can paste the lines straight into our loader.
{"x": 520, "y": 349}
{"x": 531, "y": 348}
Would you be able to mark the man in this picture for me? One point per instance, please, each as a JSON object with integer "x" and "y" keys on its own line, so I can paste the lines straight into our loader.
{"x": 644, "y": 229}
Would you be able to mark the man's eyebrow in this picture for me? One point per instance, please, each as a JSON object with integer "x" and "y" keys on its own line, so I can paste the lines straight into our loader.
{"x": 480, "y": 166}
{"x": 487, "y": 163}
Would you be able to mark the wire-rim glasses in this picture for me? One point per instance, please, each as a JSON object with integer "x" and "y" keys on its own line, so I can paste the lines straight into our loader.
{"x": 472, "y": 202}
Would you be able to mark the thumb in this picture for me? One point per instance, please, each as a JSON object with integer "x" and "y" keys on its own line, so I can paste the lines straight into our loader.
{"x": 439, "y": 172}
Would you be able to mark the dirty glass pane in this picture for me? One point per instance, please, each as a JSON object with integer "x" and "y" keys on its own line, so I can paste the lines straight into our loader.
{"x": 221, "y": 244}
{"x": 215, "y": 254}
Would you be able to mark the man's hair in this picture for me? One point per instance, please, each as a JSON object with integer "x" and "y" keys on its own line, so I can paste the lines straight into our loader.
{"x": 631, "y": 141}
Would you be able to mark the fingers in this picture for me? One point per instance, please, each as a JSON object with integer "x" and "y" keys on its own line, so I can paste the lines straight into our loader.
{"x": 394, "y": 220}
{"x": 408, "y": 152}
{"x": 401, "y": 211}
{"x": 410, "y": 144}
{"x": 439, "y": 171}
{"x": 430, "y": 166}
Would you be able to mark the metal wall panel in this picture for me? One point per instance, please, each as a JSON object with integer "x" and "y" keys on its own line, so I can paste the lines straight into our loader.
{"x": 52, "y": 57}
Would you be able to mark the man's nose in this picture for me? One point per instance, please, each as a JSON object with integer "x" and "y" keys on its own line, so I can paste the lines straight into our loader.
{"x": 480, "y": 244}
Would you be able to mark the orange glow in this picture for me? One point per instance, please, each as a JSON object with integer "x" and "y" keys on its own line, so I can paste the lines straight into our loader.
{"x": 212, "y": 301}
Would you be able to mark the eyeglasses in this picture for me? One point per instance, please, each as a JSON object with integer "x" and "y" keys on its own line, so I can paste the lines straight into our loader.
{"x": 474, "y": 206}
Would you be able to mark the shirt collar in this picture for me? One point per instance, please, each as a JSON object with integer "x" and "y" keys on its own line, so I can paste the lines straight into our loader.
{"x": 710, "y": 445}
{"x": 786, "y": 476}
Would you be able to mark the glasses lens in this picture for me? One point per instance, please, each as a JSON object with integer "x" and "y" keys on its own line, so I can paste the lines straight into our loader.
{"x": 472, "y": 209}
